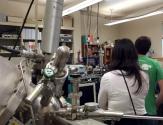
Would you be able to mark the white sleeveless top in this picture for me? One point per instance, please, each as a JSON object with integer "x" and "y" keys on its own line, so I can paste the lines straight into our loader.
{"x": 113, "y": 94}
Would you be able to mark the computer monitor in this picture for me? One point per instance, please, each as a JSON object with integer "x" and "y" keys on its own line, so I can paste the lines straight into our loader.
{"x": 88, "y": 92}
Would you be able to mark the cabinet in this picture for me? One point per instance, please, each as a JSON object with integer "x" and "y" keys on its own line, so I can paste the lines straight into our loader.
{"x": 66, "y": 38}
{"x": 9, "y": 31}
{"x": 107, "y": 54}
{"x": 90, "y": 54}
{"x": 9, "y": 34}
{"x": 8, "y": 37}
{"x": 90, "y": 49}
{"x": 28, "y": 37}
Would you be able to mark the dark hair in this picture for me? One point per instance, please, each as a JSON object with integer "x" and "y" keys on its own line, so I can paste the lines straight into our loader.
{"x": 124, "y": 57}
{"x": 142, "y": 44}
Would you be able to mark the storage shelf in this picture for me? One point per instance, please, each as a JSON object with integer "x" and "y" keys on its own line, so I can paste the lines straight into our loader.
{"x": 7, "y": 38}
{"x": 29, "y": 37}
{"x": 32, "y": 25}
{"x": 65, "y": 42}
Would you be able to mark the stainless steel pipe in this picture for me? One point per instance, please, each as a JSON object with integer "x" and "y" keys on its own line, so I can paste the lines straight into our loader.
{"x": 119, "y": 115}
{"x": 37, "y": 91}
{"x": 108, "y": 115}
{"x": 52, "y": 25}
{"x": 143, "y": 117}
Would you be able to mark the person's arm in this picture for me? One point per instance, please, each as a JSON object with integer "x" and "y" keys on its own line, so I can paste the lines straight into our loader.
{"x": 160, "y": 95}
{"x": 103, "y": 94}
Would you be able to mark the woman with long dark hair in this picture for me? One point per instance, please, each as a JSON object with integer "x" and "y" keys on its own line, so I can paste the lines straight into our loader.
{"x": 125, "y": 86}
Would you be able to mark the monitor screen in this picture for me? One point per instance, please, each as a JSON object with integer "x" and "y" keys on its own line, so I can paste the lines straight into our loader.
{"x": 88, "y": 93}
{"x": 94, "y": 60}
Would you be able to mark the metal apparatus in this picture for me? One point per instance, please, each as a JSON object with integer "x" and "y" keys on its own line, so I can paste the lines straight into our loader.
{"x": 17, "y": 86}
{"x": 14, "y": 88}
{"x": 41, "y": 103}
{"x": 104, "y": 115}
{"x": 14, "y": 93}
{"x": 45, "y": 97}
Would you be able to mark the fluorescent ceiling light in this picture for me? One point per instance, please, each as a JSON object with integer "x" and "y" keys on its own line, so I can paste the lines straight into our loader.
{"x": 135, "y": 18}
{"x": 117, "y": 5}
{"x": 80, "y": 6}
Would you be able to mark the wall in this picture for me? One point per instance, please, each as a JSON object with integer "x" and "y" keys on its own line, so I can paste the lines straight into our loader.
{"x": 19, "y": 9}
{"x": 105, "y": 33}
{"x": 151, "y": 26}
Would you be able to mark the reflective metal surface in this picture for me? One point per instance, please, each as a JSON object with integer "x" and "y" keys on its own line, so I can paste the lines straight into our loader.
{"x": 52, "y": 24}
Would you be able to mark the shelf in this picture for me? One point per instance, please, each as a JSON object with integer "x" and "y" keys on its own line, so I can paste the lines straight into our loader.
{"x": 7, "y": 38}
{"x": 29, "y": 29}
{"x": 93, "y": 45}
{"x": 16, "y": 24}
{"x": 30, "y": 40}
{"x": 71, "y": 51}
{"x": 65, "y": 42}
{"x": 67, "y": 28}
{"x": 32, "y": 25}
{"x": 8, "y": 42}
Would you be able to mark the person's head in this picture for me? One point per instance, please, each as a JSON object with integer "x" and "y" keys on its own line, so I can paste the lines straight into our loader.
{"x": 124, "y": 54}
{"x": 124, "y": 57}
{"x": 143, "y": 44}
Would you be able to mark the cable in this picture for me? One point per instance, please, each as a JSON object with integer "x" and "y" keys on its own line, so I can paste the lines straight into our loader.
{"x": 90, "y": 21}
{"x": 129, "y": 93}
{"x": 98, "y": 20}
{"x": 21, "y": 29}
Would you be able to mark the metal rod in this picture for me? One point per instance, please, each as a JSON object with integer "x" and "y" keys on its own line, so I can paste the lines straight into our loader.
{"x": 36, "y": 92}
{"x": 143, "y": 117}
{"x": 115, "y": 116}
{"x": 118, "y": 115}
{"x": 36, "y": 25}
{"x": 32, "y": 114}
{"x": 52, "y": 25}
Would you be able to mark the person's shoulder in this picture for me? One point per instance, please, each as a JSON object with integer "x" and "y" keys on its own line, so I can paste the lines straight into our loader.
{"x": 143, "y": 57}
{"x": 155, "y": 62}
{"x": 110, "y": 73}
{"x": 144, "y": 73}
{"x": 109, "y": 76}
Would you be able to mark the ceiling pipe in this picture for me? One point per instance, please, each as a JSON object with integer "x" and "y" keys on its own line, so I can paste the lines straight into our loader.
{"x": 52, "y": 26}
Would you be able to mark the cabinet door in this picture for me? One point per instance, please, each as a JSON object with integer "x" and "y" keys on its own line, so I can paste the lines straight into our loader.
{"x": 107, "y": 55}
